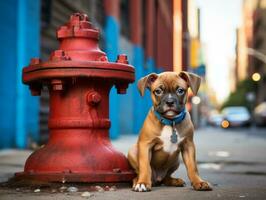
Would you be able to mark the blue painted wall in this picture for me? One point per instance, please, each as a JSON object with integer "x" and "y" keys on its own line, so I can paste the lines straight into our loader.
{"x": 138, "y": 101}
{"x": 8, "y": 60}
{"x": 20, "y": 32}
{"x": 112, "y": 32}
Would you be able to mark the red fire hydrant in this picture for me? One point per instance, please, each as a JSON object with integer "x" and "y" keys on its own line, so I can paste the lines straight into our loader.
{"x": 79, "y": 78}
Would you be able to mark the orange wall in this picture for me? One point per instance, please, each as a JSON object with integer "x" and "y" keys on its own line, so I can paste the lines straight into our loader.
{"x": 177, "y": 40}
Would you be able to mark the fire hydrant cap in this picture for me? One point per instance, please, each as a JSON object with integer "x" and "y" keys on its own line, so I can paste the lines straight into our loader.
{"x": 78, "y": 26}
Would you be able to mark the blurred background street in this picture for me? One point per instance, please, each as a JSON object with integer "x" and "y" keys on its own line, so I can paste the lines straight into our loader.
{"x": 223, "y": 41}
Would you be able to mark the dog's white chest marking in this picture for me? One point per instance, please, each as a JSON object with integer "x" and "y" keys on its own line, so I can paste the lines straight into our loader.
{"x": 165, "y": 137}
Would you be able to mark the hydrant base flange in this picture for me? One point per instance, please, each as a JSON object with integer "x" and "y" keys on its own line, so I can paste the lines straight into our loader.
{"x": 77, "y": 177}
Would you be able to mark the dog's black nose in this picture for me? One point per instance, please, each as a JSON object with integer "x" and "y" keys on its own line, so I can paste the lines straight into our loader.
{"x": 170, "y": 102}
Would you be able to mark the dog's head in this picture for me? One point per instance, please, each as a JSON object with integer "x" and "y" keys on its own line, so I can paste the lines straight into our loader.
{"x": 169, "y": 90}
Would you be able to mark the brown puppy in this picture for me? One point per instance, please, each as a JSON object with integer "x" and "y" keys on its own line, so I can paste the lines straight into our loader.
{"x": 167, "y": 130}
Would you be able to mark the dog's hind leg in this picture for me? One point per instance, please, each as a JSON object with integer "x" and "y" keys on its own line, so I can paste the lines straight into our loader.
{"x": 169, "y": 181}
{"x": 177, "y": 182}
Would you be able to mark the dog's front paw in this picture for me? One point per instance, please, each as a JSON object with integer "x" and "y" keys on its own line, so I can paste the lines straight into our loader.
{"x": 141, "y": 187}
{"x": 202, "y": 186}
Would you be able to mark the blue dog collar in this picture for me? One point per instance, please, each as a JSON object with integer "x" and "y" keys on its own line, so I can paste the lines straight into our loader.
{"x": 171, "y": 122}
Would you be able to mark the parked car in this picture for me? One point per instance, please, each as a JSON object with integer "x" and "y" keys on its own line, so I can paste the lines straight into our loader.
{"x": 215, "y": 119}
{"x": 260, "y": 114}
{"x": 235, "y": 116}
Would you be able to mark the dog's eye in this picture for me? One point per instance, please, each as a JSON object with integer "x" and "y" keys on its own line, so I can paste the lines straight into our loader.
{"x": 180, "y": 91}
{"x": 158, "y": 92}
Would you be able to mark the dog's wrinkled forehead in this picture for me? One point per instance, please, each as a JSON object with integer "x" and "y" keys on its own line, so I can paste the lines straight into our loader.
{"x": 170, "y": 81}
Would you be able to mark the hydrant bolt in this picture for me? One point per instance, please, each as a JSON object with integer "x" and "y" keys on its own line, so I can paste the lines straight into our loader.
{"x": 103, "y": 58}
{"x": 94, "y": 98}
{"x": 122, "y": 58}
{"x": 35, "y": 61}
{"x": 121, "y": 88}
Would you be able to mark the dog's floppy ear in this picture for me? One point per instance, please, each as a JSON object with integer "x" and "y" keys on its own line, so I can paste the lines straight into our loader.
{"x": 193, "y": 80}
{"x": 145, "y": 82}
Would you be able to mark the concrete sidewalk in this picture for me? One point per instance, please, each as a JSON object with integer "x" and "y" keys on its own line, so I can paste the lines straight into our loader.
{"x": 157, "y": 193}
{"x": 233, "y": 161}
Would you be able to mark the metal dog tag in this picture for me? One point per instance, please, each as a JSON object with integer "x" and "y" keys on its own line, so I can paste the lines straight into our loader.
{"x": 174, "y": 136}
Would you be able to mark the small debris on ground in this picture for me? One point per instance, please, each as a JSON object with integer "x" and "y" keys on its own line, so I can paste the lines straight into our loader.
{"x": 54, "y": 191}
{"x": 72, "y": 189}
{"x": 99, "y": 188}
{"x": 37, "y": 190}
{"x": 86, "y": 194}
{"x": 63, "y": 188}
{"x": 113, "y": 188}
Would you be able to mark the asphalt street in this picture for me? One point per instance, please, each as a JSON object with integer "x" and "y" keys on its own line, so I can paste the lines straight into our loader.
{"x": 232, "y": 160}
